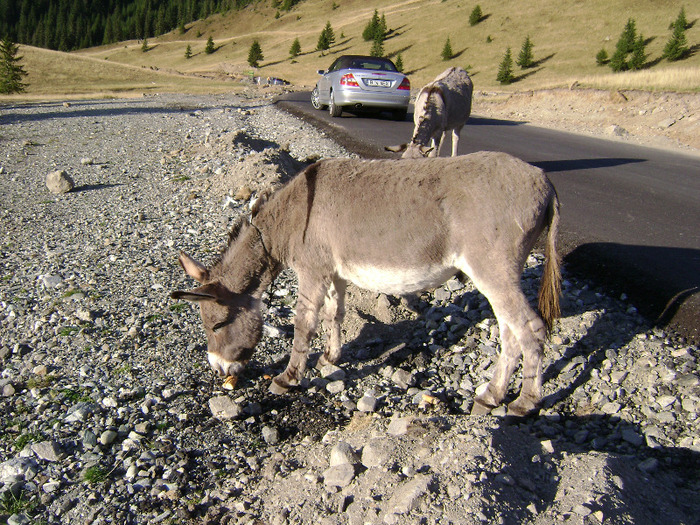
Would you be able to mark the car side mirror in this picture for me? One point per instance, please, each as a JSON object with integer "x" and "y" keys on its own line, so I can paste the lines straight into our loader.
{"x": 321, "y": 71}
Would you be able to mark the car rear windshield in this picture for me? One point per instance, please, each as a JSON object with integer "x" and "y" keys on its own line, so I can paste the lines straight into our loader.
{"x": 374, "y": 64}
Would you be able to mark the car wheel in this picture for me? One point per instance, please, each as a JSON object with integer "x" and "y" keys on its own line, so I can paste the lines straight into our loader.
{"x": 315, "y": 101}
{"x": 400, "y": 115}
{"x": 333, "y": 109}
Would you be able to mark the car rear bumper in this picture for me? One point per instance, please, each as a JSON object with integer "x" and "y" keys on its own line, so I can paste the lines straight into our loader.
{"x": 366, "y": 99}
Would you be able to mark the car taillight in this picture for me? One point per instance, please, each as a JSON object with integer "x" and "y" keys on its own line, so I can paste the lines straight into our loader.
{"x": 405, "y": 84}
{"x": 348, "y": 80}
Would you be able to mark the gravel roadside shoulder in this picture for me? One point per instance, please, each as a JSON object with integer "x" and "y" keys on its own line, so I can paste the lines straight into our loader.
{"x": 110, "y": 413}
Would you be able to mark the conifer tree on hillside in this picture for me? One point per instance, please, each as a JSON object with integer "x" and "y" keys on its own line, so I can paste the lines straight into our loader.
{"x": 626, "y": 44}
{"x": 447, "y": 53}
{"x": 209, "y": 48}
{"x": 505, "y": 69}
{"x": 255, "y": 54}
{"x": 399, "y": 62}
{"x": 639, "y": 56}
{"x": 11, "y": 71}
{"x": 377, "y": 48}
{"x": 326, "y": 39}
{"x": 188, "y": 52}
{"x": 676, "y": 48}
{"x": 476, "y": 15}
{"x": 295, "y": 50}
{"x": 525, "y": 58}
{"x": 371, "y": 28}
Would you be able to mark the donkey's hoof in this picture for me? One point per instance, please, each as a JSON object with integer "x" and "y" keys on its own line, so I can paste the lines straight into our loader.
{"x": 479, "y": 408}
{"x": 278, "y": 386}
{"x": 522, "y": 408}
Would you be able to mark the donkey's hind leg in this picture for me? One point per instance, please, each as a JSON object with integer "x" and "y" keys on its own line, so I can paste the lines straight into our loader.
{"x": 522, "y": 333}
{"x": 505, "y": 366}
{"x": 333, "y": 315}
{"x": 312, "y": 293}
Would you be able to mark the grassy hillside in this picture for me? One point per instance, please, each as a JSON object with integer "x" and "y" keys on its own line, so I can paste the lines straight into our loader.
{"x": 566, "y": 35}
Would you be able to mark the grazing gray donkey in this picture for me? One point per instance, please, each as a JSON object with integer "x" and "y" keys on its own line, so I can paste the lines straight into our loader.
{"x": 391, "y": 226}
{"x": 443, "y": 105}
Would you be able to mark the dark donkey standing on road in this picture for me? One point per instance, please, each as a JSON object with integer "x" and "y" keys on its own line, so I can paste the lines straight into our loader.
{"x": 392, "y": 226}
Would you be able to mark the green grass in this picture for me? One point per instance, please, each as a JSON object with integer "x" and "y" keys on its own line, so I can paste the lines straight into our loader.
{"x": 178, "y": 307}
{"x": 95, "y": 474}
{"x": 25, "y": 438}
{"x": 10, "y": 504}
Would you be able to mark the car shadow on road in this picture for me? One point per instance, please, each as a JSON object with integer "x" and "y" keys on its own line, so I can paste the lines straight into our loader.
{"x": 583, "y": 164}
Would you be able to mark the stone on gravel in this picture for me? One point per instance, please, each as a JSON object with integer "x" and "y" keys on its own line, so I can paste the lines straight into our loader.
{"x": 343, "y": 453}
{"x": 223, "y": 407}
{"x": 339, "y": 475}
{"x": 59, "y": 182}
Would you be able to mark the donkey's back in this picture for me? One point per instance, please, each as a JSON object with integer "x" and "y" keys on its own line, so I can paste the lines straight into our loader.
{"x": 410, "y": 219}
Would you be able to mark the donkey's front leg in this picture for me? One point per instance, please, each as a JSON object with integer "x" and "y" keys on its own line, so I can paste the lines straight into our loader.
{"x": 455, "y": 140}
{"x": 334, "y": 313}
{"x": 310, "y": 301}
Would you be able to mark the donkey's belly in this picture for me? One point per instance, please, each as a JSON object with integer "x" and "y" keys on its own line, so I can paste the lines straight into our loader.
{"x": 396, "y": 281}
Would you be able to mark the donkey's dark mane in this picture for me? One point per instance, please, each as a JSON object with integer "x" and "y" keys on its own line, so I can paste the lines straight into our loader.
{"x": 233, "y": 234}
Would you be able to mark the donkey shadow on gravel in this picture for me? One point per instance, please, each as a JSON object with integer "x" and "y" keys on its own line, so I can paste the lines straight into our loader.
{"x": 611, "y": 477}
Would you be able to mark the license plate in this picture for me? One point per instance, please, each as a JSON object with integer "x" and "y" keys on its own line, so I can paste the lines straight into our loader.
{"x": 373, "y": 82}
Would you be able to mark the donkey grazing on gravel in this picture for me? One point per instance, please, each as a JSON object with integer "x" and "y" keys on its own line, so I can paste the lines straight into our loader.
{"x": 392, "y": 226}
{"x": 442, "y": 105}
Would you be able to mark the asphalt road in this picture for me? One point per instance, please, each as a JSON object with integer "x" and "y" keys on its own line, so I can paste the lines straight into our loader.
{"x": 630, "y": 214}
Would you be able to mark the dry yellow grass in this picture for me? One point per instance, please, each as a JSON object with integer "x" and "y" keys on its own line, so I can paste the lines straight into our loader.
{"x": 566, "y": 35}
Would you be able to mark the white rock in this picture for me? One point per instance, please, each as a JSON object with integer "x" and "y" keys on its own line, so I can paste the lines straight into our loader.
{"x": 59, "y": 182}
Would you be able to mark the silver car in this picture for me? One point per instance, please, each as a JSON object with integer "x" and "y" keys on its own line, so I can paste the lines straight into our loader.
{"x": 355, "y": 82}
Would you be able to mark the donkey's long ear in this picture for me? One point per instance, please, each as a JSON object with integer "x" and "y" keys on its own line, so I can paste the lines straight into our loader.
{"x": 396, "y": 149}
{"x": 209, "y": 292}
{"x": 193, "y": 268}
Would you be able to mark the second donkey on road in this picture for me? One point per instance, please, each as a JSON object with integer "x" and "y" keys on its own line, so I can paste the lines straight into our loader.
{"x": 441, "y": 106}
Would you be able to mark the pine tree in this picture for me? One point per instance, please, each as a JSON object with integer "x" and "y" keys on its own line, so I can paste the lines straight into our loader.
{"x": 628, "y": 37}
{"x": 370, "y": 29}
{"x": 602, "y": 57}
{"x": 188, "y": 52}
{"x": 326, "y": 38}
{"x": 447, "y": 50}
{"x": 681, "y": 21}
{"x": 11, "y": 71}
{"x": 505, "y": 69}
{"x": 676, "y": 48}
{"x": 639, "y": 56}
{"x": 475, "y": 16}
{"x": 209, "y": 48}
{"x": 295, "y": 50}
{"x": 525, "y": 58}
{"x": 255, "y": 54}
{"x": 399, "y": 63}
{"x": 144, "y": 45}
{"x": 377, "y": 48}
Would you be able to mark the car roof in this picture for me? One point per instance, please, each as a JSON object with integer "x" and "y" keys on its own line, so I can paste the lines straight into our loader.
{"x": 354, "y": 61}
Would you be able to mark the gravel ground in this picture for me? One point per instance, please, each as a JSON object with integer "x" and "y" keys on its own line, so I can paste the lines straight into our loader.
{"x": 110, "y": 413}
